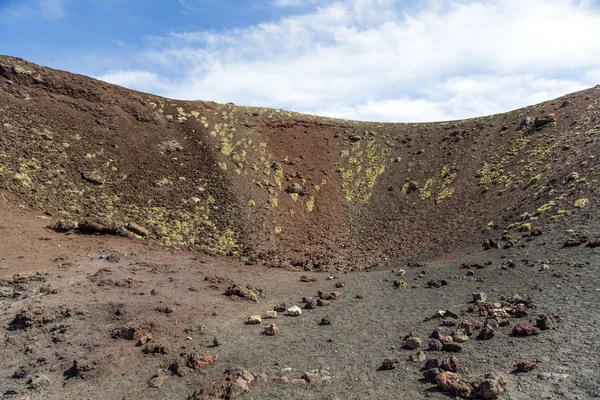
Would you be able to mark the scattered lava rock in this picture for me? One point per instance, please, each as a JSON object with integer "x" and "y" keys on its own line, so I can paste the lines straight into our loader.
{"x": 486, "y": 333}
{"x": 271, "y": 330}
{"x": 594, "y": 242}
{"x": 412, "y": 342}
{"x": 21, "y": 373}
{"x": 435, "y": 345}
{"x": 199, "y": 359}
{"x": 417, "y": 357}
{"x": 156, "y": 349}
{"x": 452, "y": 347}
{"x": 64, "y": 226}
{"x": 325, "y": 321}
{"x": 525, "y": 366}
{"x": 450, "y": 364}
{"x": 389, "y": 363}
{"x": 247, "y": 292}
{"x": 79, "y": 369}
{"x": 455, "y": 384}
{"x": 525, "y": 330}
{"x": 575, "y": 240}
{"x": 127, "y": 333}
{"x": 492, "y": 386}
{"x": 546, "y": 321}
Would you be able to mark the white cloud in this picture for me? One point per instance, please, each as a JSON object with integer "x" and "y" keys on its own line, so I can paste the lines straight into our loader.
{"x": 148, "y": 80}
{"x": 372, "y": 59}
{"x": 294, "y": 3}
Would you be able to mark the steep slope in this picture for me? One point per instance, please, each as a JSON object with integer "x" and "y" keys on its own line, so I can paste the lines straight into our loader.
{"x": 287, "y": 188}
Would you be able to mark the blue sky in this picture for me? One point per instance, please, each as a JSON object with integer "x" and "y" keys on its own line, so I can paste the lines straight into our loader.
{"x": 382, "y": 60}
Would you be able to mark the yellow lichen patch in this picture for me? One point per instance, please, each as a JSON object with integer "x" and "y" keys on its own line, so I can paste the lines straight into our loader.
{"x": 425, "y": 191}
{"x": 581, "y": 203}
{"x": 223, "y": 166}
{"x": 546, "y": 207}
{"x": 361, "y": 170}
{"x": 294, "y": 196}
{"x": 163, "y": 182}
{"x": 278, "y": 230}
{"x": 273, "y": 202}
{"x": 310, "y": 203}
{"x": 24, "y": 179}
{"x": 444, "y": 195}
{"x": 251, "y": 203}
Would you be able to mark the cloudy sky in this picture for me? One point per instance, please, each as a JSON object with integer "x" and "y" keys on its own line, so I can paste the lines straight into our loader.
{"x": 381, "y": 60}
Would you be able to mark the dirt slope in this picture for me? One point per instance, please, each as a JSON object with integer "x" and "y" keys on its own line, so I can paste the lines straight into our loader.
{"x": 219, "y": 178}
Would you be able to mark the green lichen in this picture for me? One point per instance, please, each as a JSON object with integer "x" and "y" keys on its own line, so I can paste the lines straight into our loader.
{"x": 581, "y": 203}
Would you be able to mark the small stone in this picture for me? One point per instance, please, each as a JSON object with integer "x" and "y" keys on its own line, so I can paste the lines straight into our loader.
{"x": 439, "y": 332}
{"x": 389, "y": 363}
{"x": 157, "y": 379}
{"x": 412, "y": 342}
{"x": 446, "y": 339}
{"x": 314, "y": 378}
{"x": 430, "y": 375}
{"x": 322, "y": 303}
{"x": 144, "y": 339}
{"x": 486, "y": 333}
{"x": 546, "y": 321}
{"x": 450, "y": 364}
{"x": 491, "y": 323}
{"x": 311, "y": 304}
{"x": 435, "y": 345}
{"x": 294, "y": 311}
{"x": 280, "y": 307}
{"x": 432, "y": 363}
{"x": 38, "y": 382}
{"x": 492, "y": 386}
{"x": 480, "y": 296}
{"x": 294, "y": 188}
{"x": 271, "y": 314}
{"x": 525, "y": 330}
{"x": 21, "y": 372}
{"x": 254, "y": 320}
{"x": 325, "y": 321}
{"x": 417, "y": 357}
{"x": 216, "y": 342}
{"x": 525, "y": 366}
{"x": 452, "y": 347}
{"x": 271, "y": 330}
{"x": 306, "y": 299}
{"x": 339, "y": 285}
{"x": 460, "y": 336}
{"x": 400, "y": 284}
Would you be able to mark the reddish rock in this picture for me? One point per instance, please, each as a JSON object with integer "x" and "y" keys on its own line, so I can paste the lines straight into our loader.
{"x": 435, "y": 345}
{"x": 389, "y": 363}
{"x": 546, "y": 321}
{"x": 450, "y": 364}
{"x": 412, "y": 342}
{"x": 455, "y": 384}
{"x": 525, "y": 330}
{"x": 525, "y": 366}
{"x": 492, "y": 386}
